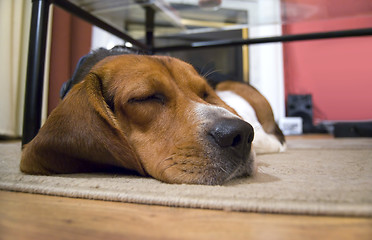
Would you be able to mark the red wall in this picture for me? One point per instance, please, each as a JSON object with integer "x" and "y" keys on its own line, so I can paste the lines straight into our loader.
{"x": 71, "y": 39}
{"x": 337, "y": 72}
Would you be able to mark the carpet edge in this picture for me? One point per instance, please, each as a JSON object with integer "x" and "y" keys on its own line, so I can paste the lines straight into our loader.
{"x": 341, "y": 210}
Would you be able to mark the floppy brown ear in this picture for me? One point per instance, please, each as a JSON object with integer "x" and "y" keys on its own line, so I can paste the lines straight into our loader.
{"x": 81, "y": 135}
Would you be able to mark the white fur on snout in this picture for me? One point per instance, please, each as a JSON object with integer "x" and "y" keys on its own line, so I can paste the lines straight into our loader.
{"x": 208, "y": 112}
{"x": 262, "y": 142}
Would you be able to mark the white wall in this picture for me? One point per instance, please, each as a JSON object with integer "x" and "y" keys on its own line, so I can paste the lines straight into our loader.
{"x": 14, "y": 29}
{"x": 101, "y": 38}
{"x": 266, "y": 60}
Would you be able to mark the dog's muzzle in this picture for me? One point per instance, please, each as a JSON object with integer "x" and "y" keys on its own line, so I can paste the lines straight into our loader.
{"x": 228, "y": 141}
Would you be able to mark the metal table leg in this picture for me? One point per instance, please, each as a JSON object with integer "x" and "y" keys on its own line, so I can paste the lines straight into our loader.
{"x": 150, "y": 25}
{"x": 35, "y": 70}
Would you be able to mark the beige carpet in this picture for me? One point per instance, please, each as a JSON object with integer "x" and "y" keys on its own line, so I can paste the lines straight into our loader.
{"x": 318, "y": 177}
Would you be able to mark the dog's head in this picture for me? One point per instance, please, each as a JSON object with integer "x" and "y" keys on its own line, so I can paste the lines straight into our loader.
{"x": 155, "y": 115}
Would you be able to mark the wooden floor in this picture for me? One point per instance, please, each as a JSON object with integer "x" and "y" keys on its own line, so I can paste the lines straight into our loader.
{"x": 28, "y": 216}
{"x": 32, "y": 216}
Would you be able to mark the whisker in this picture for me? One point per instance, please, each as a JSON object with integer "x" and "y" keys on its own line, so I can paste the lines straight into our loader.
{"x": 208, "y": 69}
{"x": 223, "y": 169}
{"x": 170, "y": 158}
{"x": 210, "y": 72}
{"x": 167, "y": 167}
{"x": 260, "y": 169}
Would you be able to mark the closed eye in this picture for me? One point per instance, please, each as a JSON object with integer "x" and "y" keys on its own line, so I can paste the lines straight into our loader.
{"x": 157, "y": 98}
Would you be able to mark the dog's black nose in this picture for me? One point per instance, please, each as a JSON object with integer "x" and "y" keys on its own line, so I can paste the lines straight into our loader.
{"x": 232, "y": 133}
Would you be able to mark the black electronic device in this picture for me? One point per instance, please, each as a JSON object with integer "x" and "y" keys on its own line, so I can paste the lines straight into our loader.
{"x": 301, "y": 106}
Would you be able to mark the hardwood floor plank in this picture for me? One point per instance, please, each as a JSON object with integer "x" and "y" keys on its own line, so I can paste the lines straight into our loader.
{"x": 32, "y": 216}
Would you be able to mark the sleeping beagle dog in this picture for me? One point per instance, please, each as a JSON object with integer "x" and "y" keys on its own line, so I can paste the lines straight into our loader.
{"x": 158, "y": 117}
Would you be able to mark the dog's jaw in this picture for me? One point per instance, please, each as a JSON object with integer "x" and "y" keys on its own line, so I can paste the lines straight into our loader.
{"x": 226, "y": 164}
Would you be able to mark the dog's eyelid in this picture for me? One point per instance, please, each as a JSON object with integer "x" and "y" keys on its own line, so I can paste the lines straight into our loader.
{"x": 156, "y": 97}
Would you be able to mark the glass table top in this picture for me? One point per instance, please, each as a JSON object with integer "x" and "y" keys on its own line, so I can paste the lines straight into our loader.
{"x": 175, "y": 17}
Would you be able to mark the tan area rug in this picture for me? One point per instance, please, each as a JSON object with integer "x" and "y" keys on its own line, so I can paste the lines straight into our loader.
{"x": 318, "y": 177}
